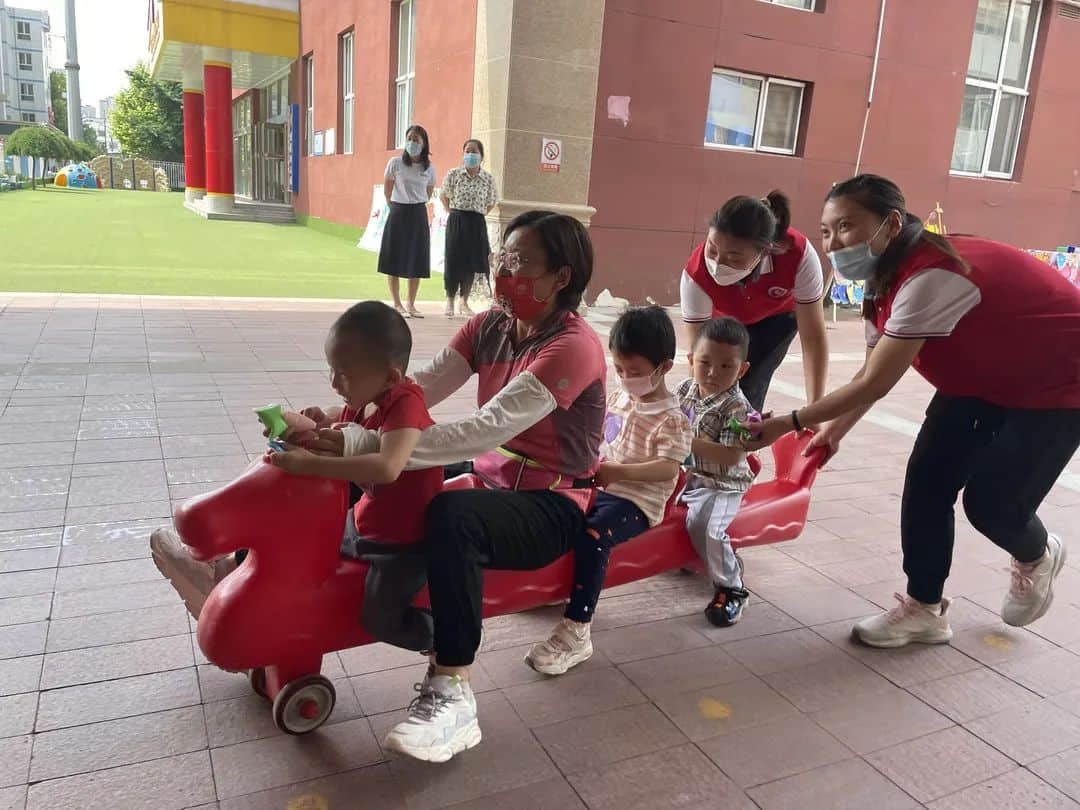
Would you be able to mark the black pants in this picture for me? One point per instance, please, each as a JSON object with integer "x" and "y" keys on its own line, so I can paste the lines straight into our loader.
{"x": 611, "y": 521}
{"x": 770, "y": 340}
{"x": 471, "y": 530}
{"x": 1005, "y": 460}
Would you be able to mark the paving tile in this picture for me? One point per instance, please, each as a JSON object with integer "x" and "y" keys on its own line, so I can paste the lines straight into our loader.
{"x": 17, "y": 714}
{"x": 27, "y": 583}
{"x": 94, "y": 451}
{"x": 116, "y": 661}
{"x": 391, "y": 689}
{"x": 999, "y": 645}
{"x": 160, "y": 509}
{"x": 1062, "y": 771}
{"x": 28, "y": 559}
{"x": 375, "y": 784}
{"x": 572, "y": 695}
{"x": 37, "y": 453}
{"x": 19, "y": 675}
{"x": 877, "y": 721}
{"x": 1048, "y": 674}
{"x": 825, "y": 683}
{"x": 684, "y": 671}
{"x": 30, "y": 538}
{"x": 587, "y": 743}
{"x": 724, "y": 709}
{"x": 112, "y": 700}
{"x": 166, "y": 784}
{"x": 1069, "y": 701}
{"x": 25, "y": 609}
{"x": 250, "y": 717}
{"x": 1016, "y": 790}
{"x": 35, "y": 519}
{"x": 115, "y": 628}
{"x": 1029, "y": 732}
{"x": 820, "y": 605}
{"x": 13, "y": 798}
{"x": 940, "y": 764}
{"x": 647, "y": 640}
{"x": 759, "y": 619}
{"x": 774, "y": 750}
{"x": 270, "y": 763}
{"x": 549, "y": 793}
{"x": 14, "y": 760}
{"x": 93, "y": 747}
{"x": 676, "y": 778}
{"x": 780, "y": 651}
{"x": 218, "y": 444}
{"x": 1061, "y": 625}
{"x": 971, "y": 695}
{"x": 507, "y": 667}
{"x": 22, "y": 639}
{"x": 133, "y": 596}
{"x": 102, "y": 575}
{"x": 848, "y": 785}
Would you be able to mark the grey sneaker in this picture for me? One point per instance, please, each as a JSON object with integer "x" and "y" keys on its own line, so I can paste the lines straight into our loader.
{"x": 1031, "y": 590}
{"x": 441, "y": 723}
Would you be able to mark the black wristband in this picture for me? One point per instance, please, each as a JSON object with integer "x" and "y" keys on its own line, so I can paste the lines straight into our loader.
{"x": 795, "y": 421}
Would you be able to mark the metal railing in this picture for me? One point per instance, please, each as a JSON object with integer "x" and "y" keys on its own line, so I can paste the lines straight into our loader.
{"x": 173, "y": 170}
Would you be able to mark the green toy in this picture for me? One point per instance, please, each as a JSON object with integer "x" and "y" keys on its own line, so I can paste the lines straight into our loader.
{"x": 745, "y": 434}
{"x": 273, "y": 419}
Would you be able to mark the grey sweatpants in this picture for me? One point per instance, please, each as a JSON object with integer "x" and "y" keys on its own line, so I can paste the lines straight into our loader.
{"x": 709, "y": 512}
{"x": 396, "y": 575}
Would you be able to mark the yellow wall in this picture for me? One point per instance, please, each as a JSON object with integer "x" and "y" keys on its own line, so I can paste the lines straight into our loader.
{"x": 228, "y": 24}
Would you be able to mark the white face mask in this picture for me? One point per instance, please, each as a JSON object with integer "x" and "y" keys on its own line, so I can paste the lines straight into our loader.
{"x": 858, "y": 262}
{"x": 638, "y": 387}
{"x": 414, "y": 148}
{"x": 725, "y": 275}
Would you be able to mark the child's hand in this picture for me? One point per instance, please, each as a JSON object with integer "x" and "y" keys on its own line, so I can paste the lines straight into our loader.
{"x": 296, "y": 462}
{"x": 316, "y": 415}
{"x": 329, "y": 443}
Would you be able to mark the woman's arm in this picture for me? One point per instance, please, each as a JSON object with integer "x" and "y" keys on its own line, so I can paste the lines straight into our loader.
{"x": 388, "y": 188}
{"x": 810, "y": 319}
{"x": 443, "y": 376}
{"x": 696, "y": 307}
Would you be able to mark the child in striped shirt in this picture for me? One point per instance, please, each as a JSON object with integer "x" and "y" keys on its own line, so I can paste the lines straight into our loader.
{"x": 719, "y": 474}
{"x": 647, "y": 437}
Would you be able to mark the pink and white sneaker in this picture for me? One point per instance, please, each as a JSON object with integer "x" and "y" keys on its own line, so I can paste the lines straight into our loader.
{"x": 910, "y": 621}
{"x": 1031, "y": 590}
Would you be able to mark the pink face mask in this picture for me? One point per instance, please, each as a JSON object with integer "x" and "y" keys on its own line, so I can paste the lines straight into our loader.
{"x": 638, "y": 387}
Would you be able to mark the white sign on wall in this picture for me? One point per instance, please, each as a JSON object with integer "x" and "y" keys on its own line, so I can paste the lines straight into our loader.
{"x": 328, "y": 144}
{"x": 550, "y": 155}
{"x": 317, "y": 149}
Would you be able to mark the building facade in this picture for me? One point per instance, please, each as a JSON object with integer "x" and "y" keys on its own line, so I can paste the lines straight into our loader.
{"x": 24, "y": 65}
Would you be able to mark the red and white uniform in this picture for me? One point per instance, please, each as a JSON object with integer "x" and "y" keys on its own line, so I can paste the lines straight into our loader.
{"x": 782, "y": 281}
{"x": 1005, "y": 329}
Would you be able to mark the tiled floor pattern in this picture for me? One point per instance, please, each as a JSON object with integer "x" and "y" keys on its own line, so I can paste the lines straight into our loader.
{"x": 111, "y": 410}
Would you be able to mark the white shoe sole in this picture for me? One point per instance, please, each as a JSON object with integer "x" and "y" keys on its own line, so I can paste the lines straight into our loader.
{"x": 928, "y": 637}
{"x": 562, "y": 667}
{"x": 1048, "y": 600}
{"x": 466, "y": 738}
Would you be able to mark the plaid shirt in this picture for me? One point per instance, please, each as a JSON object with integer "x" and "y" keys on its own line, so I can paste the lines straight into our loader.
{"x": 709, "y": 417}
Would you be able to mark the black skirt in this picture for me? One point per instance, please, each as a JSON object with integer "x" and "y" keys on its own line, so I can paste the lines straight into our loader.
{"x": 467, "y": 246}
{"x": 405, "y": 251}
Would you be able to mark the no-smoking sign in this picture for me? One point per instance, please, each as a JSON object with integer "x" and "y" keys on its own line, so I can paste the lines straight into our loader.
{"x": 550, "y": 155}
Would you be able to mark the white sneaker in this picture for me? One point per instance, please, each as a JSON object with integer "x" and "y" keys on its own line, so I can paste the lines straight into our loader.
{"x": 569, "y": 644}
{"x": 1032, "y": 588}
{"x": 442, "y": 721}
{"x": 910, "y": 621}
{"x": 192, "y": 579}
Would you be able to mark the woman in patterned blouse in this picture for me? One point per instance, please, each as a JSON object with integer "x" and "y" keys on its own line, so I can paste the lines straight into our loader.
{"x": 468, "y": 193}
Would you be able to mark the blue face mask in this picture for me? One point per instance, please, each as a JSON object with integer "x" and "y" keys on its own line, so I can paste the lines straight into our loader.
{"x": 472, "y": 160}
{"x": 414, "y": 148}
{"x": 858, "y": 262}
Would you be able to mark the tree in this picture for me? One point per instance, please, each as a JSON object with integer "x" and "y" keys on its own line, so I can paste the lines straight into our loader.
{"x": 58, "y": 96}
{"x": 39, "y": 142}
{"x": 147, "y": 118}
{"x": 92, "y": 140}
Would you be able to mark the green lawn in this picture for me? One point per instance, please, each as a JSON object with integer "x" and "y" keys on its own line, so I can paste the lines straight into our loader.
{"x": 146, "y": 243}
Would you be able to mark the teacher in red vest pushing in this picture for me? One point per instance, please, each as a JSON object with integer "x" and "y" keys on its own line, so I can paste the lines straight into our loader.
{"x": 997, "y": 333}
{"x": 754, "y": 267}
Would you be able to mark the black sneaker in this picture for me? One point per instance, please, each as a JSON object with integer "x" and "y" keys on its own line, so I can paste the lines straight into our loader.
{"x": 727, "y": 605}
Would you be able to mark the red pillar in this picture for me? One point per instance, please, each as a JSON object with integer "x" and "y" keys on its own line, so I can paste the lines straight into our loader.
{"x": 217, "y": 83}
{"x": 194, "y": 145}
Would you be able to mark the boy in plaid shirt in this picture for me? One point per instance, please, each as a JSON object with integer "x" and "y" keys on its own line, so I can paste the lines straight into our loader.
{"x": 719, "y": 473}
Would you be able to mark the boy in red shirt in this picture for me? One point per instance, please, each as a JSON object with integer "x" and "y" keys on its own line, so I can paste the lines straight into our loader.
{"x": 368, "y": 350}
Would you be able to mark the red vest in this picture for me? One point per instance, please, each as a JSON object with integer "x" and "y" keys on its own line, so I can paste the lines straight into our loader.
{"x": 1019, "y": 347}
{"x": 753, "y": 300}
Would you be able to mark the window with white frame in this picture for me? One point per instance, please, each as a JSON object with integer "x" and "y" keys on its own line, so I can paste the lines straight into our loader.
{"x": 996, "y": 88}
{"x": 29, "y": 117}
{"x": 26, "y": 61}
{"x": 753, "y": 112}
{"x": 26, "y": 91}
{"x": 309, "y": 103}
{"x": 406, "y": 69}
{"x": 347, "y": 94}
{"x": 805, "y": 5}
{"x": 22, "y": 30}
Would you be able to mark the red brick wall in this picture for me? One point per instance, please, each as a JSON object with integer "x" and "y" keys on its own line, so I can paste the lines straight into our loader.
{"x": 338, "y": 187}
{"x": 654, "y": 185}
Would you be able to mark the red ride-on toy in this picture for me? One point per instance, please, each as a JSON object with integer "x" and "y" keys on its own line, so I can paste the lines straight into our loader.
{"x": 294, "y": 599}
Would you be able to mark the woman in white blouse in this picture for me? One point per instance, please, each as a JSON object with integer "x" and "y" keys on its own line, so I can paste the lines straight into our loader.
{"x": 468, "y": 193}
{"x": 406, "y": 242}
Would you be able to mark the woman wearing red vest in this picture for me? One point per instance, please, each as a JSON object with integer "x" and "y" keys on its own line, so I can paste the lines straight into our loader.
{"x": 997, "y": 333}
{"x": 756, "y": 268}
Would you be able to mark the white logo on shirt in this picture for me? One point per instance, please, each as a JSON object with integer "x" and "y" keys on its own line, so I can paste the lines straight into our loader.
{"x": 778, "y": 292}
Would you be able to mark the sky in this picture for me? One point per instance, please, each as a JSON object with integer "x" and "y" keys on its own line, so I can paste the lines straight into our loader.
{"x": 112, "y": 37}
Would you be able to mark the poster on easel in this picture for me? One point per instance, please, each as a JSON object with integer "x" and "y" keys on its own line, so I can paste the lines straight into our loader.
{"x": 438, "y": 235}
{"x": 371, "y": 239}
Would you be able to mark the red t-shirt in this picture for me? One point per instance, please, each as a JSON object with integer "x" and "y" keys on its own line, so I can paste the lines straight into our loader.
{"x": 1005, "y": 329}
{"x": 395, "y": 512}
{"x": 568, "y": 359}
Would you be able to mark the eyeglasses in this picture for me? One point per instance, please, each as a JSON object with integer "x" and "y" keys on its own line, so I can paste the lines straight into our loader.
{"x": 512, "y": 262}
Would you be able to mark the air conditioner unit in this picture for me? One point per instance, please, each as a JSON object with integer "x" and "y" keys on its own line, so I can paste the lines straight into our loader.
{"x": 1069, "y": 9}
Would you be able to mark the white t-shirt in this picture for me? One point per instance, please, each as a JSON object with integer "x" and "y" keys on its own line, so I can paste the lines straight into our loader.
{"x": 697, "y": 306}
{"x": 928, "y": 305}
{"x": 411, "y": 183}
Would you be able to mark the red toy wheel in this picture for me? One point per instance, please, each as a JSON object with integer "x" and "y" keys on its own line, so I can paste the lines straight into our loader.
{"x": 257, "y": 679}
{"x": 304, "y": 704}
